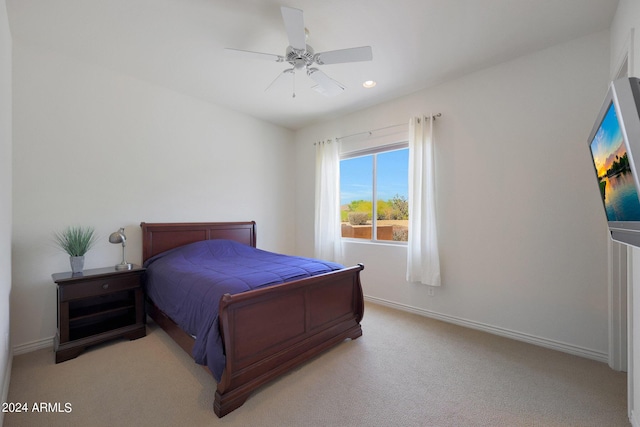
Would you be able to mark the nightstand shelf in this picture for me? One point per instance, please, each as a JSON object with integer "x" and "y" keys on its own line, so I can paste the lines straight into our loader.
{"x": 102, "y": 309}
{"x": 98, "y": 305}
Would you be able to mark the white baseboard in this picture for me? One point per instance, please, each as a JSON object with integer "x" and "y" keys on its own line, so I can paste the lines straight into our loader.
{"x": 519, "y": 336}
{"x": 33, "y": 346}
{"x": 632, "y": 419}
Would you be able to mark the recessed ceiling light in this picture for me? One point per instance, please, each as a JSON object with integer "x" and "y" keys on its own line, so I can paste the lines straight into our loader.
{"x": 369, "y": 84}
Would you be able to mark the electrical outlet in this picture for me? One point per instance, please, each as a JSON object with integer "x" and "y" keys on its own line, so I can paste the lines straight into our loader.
{"x": 430, "y": 291}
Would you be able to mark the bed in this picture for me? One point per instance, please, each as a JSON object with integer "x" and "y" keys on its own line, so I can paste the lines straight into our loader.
{"x": 264, "y": 332}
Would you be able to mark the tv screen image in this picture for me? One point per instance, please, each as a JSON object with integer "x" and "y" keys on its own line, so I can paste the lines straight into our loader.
{"x": 614, "y": 143}
{"x": 615, "y": 178}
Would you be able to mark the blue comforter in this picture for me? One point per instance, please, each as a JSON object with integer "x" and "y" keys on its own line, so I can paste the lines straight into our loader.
{"x": 188, "y": 282}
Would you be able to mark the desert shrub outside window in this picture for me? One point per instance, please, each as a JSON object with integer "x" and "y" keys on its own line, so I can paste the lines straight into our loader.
{"x": 374, "y": 191}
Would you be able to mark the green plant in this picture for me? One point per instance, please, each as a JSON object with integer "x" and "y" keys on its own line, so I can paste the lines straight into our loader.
{"x": 76, "y": 241}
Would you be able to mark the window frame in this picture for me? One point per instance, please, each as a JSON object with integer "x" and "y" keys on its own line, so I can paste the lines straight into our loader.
{"x": 395, "y": 146}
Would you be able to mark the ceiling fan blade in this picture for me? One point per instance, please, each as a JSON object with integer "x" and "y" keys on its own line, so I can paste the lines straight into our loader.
{"x": 353, "y": 54}
{"x": 284, "y": 80}
{"x": 294, "y": 25}
{"x": 253, "y": 55}
{"x": 326, "y": 85}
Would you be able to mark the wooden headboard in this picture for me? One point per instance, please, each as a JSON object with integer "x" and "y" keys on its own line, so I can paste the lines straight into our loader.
{"x": 160, "y": 237}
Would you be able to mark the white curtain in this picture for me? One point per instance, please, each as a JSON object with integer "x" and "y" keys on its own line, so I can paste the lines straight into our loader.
{"x": 423, "y": 260}
{"x": 328, "y": 242}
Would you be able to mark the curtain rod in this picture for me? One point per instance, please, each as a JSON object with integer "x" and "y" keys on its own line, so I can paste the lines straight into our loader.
{"x": 383, "y": 128}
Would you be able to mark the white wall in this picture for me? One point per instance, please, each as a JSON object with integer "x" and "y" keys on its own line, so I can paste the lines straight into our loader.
{"x": 96, "y": 148}
{"x": 522, "y": 234}
{"x": 5, "y": 201}
{"x": 624, "y": 40}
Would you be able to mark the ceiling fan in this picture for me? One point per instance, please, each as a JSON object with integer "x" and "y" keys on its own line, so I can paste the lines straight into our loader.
{"x": 301, "y": 56}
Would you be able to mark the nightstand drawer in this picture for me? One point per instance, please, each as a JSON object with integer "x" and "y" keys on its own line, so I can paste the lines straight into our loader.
{"x": 96, "y": 287}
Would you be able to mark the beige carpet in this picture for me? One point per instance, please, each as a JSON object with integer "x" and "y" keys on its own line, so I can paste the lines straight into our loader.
{"x": 405, "y": 370}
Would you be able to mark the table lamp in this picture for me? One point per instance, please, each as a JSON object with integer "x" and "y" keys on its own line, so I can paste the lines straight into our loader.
{"x": 119, "y": 237}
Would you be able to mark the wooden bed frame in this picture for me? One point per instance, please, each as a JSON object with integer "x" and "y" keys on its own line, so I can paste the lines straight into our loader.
{"x": 269, "y": 331}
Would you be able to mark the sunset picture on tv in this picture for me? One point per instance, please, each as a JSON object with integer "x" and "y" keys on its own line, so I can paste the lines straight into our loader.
{"x": 610, "y": 158}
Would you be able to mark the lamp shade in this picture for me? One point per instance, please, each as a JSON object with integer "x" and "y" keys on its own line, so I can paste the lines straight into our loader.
{"x": 118, "y": 237}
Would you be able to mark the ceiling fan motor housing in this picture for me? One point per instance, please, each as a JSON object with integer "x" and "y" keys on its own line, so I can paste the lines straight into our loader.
{"x": 300, "y": 58}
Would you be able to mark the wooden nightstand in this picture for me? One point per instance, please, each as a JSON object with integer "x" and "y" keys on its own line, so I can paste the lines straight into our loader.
{"x": 98, "y": 305}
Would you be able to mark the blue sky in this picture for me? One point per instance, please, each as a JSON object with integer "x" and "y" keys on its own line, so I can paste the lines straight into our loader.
{"x": 356, "y": 176}
{"x": 608, "y": 142}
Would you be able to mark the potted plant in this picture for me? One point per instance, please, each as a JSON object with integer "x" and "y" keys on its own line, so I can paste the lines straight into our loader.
{"x": 76, "y": 241}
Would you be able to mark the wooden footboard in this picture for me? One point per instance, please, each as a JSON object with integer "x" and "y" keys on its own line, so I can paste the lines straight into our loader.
{"x": 269, "y": 331}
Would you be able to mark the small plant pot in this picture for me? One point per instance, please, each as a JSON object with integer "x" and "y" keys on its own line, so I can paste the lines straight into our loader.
{"x": 77, "y": 264}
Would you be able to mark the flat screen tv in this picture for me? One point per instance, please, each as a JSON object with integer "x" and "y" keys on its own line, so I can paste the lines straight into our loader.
{"x": 615, "y": 149}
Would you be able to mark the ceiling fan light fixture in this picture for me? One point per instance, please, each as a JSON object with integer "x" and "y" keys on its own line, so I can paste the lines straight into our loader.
{"x": 369, "y": 84}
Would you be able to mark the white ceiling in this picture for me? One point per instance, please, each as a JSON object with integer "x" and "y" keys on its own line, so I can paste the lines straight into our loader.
{"x": 180, "y": 44}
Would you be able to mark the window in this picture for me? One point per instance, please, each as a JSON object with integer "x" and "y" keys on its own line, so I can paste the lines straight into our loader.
{"x": 375, "y": 181}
